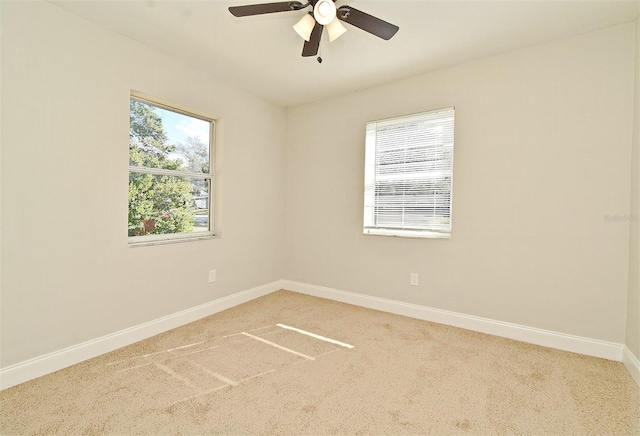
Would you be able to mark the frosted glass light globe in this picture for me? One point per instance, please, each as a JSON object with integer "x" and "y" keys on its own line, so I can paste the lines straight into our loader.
{"x": 324, "y": 12}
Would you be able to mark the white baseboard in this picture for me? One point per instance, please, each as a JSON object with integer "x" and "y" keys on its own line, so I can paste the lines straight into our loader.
{"x": 547, "y": 338}
{"x": 632, "y": 363}
{"x": 48, "y": 363}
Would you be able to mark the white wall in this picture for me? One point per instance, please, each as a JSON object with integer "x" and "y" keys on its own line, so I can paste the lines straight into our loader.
{"x": 67, "y": 273}
{"x": 541, "y": 158}
{"x": 633, "y": 298}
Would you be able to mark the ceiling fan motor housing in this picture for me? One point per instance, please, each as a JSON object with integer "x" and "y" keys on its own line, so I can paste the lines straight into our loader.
{"x": 324, "y": 12}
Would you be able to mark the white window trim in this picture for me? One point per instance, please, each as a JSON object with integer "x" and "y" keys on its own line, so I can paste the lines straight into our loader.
{"x": 169, "y": 238}
{"x": 405, "y": 233}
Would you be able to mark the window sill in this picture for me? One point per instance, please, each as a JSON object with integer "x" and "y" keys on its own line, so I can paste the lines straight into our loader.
{"x": 406, "y": 234}
{"x": 143, "y": 243}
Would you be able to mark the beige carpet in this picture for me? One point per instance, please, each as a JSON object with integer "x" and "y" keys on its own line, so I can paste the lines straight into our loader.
{"x": 240, "y": 372}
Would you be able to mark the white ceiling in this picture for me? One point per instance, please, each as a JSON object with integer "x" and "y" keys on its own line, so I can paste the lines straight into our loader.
{"x": 262, "y": 53}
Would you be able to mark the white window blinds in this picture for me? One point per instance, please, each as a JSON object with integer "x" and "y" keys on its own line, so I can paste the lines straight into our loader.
{"x": 409, "y": 175}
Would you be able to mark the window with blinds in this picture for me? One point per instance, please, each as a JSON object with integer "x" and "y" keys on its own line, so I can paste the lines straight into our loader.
{"x": 409, "y": 175}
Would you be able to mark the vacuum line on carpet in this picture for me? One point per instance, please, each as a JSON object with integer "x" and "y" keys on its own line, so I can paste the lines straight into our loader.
{"x": 313, "y": 335}
{"x": 255, "y": 376}
{"x": 280, "y": 347}
{"x": 157, "y": 352}
{"x": 260, "y": 328}
{"x": 316, "y": 356}
{"x": 198, "y": 395}
{"x": 135, "y": 367}
{"x": 178, "y": 376}
{"x": 195, "y": 352}
{"x": 213, "y": 373}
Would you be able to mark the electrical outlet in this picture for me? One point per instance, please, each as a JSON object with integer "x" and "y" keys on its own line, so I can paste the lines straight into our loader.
{"x": 415, "y": 279}
{"x": 212, "y": 276}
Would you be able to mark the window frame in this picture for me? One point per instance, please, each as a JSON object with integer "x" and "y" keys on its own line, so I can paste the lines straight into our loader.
{"x": 209, "y": 177}
{"x": 370, "y": 228}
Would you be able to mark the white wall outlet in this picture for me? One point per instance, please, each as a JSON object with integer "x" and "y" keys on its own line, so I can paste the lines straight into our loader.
{"x": 212, "y": 276}
{"x": 415, "y": 279}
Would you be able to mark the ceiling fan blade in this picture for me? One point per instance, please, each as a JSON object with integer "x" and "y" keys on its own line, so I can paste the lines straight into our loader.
{"x": 264, "y": 8}
{"x": 366, "y": 22}
{"x": 310, "y": 47}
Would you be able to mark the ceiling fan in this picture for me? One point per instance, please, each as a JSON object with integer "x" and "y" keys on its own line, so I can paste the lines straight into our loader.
{"x": 324, "y": 13}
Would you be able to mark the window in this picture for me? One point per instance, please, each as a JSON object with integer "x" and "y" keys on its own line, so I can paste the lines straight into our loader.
{"x": 409, "y": 175}
{"x": 170, "y": 173}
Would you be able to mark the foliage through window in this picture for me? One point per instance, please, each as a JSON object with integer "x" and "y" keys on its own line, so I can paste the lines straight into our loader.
{"x": 170, "y": 173}
{"x": 409, "y": 175}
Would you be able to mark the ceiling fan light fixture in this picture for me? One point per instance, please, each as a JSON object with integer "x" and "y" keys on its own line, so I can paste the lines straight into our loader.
{"x": 324, "y": 11}
{"x": 335, "y": 29}
{"x": 324, "y": 14}
{"x": 304, "y": 27}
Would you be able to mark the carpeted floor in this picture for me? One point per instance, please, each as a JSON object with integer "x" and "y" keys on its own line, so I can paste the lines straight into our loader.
{"x": 293, "y": 364}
